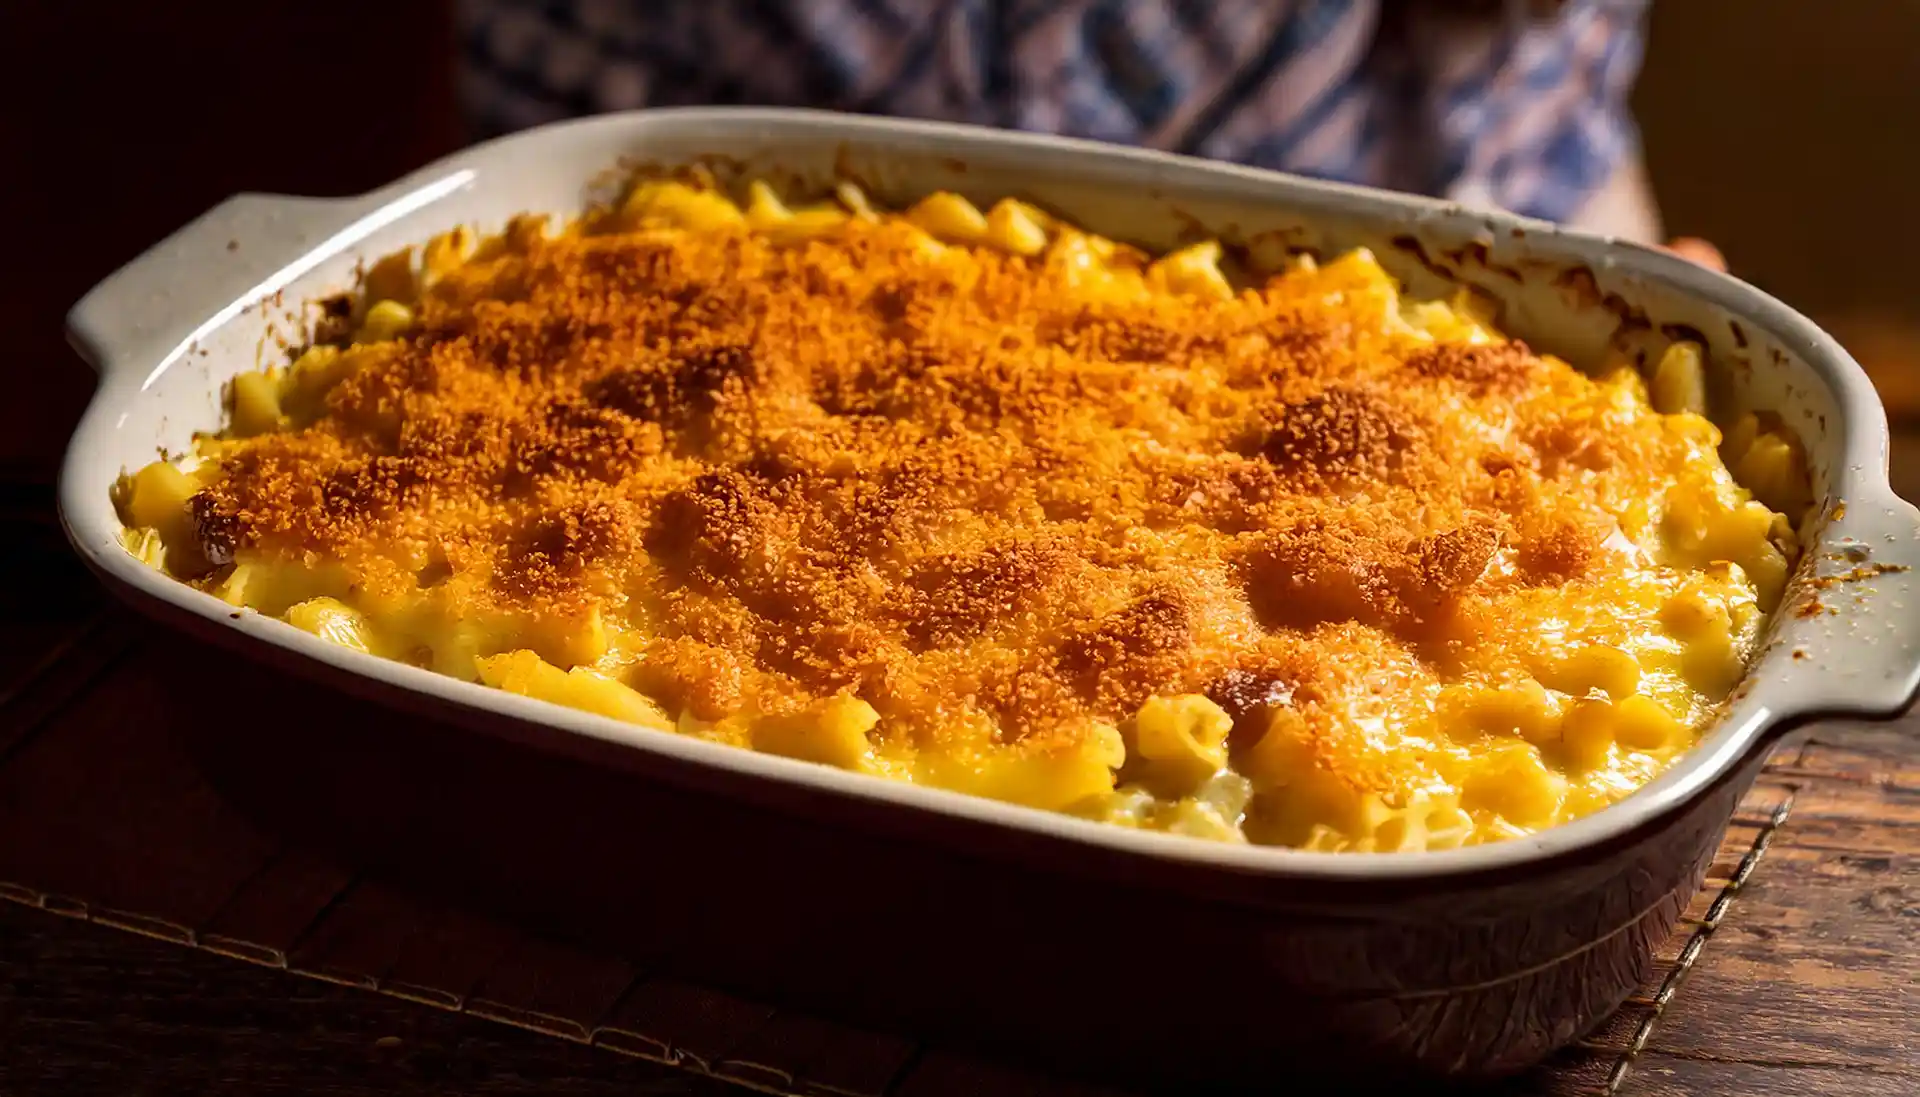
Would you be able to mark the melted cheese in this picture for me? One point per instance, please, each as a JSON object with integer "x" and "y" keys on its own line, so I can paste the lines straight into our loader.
{"x": 981, "y": 501}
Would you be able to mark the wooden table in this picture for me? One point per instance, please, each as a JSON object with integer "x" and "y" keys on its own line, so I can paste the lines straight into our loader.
{"x": 150, "y": 912}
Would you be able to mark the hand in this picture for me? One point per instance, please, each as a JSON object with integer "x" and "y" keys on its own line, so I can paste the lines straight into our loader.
{"x": 1701, "y": 252}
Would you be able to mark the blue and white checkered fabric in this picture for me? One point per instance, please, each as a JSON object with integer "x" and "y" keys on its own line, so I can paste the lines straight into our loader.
{"x": 1521, "y": 107}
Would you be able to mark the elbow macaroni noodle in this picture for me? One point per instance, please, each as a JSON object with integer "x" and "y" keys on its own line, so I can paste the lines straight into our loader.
{"x": 1582, "y": 666}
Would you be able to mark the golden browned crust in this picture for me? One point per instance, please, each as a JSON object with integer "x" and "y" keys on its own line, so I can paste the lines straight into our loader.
{"x": 951, "y": 483}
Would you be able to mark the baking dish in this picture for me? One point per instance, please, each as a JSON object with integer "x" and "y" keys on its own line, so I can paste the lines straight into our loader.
{"x": 1472, "y": 961}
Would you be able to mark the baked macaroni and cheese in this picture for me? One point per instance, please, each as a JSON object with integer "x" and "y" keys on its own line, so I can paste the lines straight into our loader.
{"x": 1251, "y": 550}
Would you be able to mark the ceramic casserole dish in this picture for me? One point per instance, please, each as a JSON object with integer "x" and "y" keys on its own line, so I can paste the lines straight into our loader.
{"x": 1200, "y": 960}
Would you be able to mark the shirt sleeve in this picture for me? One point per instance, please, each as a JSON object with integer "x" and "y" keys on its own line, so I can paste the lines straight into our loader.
{"x": 1528, "y": 112}
{"x": 1516, "y": 104}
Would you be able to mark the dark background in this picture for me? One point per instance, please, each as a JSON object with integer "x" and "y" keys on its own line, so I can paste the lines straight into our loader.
{"x": 122, "y": 120}
{"x": 1783, "y": 130}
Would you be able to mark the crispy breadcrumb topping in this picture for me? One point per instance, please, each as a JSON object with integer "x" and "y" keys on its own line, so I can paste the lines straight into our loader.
{"x": 970, "y": 488}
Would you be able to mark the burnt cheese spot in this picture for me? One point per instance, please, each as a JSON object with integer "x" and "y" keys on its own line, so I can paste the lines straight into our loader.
{"x": 717, "y": 528}
{"x": 1558, "y": 551}
{"x": 1133, "y": 653}
{"x": 216, "y": 527}
{"x": 1481, "y": 367}
{"x": 1572, "y": 443}
{"x": 1341, "y": 433}
{"x": 1453, "y": 560}
{"x": 954, "y": 598}
{"x": 1242, "y": 693}
{"x": 572, "y": 437}
{"x": 1128, "y": 339}
{"x": 551, "y": 555}
{"x": 1317, "y": 574}
{"x": 680, "y": 385}
{"x": 371, "y": 486}
{"x": 336, "y": 319}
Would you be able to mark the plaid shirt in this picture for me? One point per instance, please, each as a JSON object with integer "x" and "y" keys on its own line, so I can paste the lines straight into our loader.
{"x": 1521, "y": 106}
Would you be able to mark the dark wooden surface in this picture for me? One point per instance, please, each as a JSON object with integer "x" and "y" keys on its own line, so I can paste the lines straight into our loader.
{"x": 87, "y": 1009}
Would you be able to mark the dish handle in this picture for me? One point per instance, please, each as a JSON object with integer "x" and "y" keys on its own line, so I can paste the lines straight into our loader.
{"x": 147, "y": 312}
{"x": 1852, "y": 642}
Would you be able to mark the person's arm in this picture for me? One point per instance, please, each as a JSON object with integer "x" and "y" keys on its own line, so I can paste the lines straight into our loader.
{"x": 1625, "y": 208}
